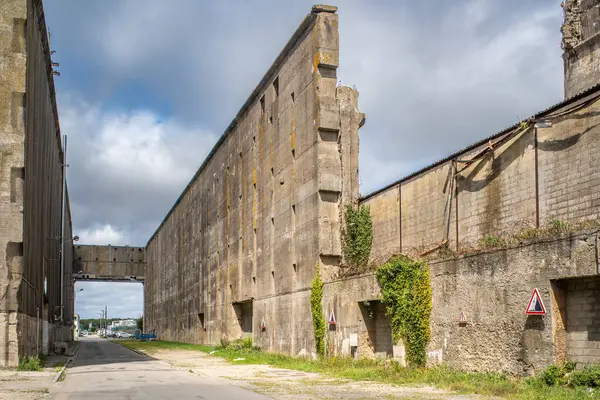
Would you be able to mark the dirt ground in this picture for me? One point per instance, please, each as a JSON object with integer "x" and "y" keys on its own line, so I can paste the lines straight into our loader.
{"x": 25, "y": 385}
{"x": 287, "y": 384}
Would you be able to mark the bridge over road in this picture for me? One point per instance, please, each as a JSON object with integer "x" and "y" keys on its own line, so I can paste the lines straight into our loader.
{"x": 109, "y": 263}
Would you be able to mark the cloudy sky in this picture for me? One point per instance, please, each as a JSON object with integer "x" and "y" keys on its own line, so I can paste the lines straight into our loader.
{"x": 147, "y": 87}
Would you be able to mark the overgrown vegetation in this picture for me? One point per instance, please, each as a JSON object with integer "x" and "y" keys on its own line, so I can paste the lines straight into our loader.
{"x": 406, "y": 293}
{"x": 34, "y": 363}
{"x": 552, "y": 228}
{"x": 357, "y": 239}
{"x": 489, "y": 241}
{"x": 488, "y": 384}
{"x": 567, "y": 376}
{"x": 237, "y": 344}
{"x": 316, "y": 300}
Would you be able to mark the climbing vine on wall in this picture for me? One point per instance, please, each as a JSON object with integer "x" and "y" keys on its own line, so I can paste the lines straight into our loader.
{"x": 316, "y": 299}
{"x": 357, "y": 239}
{"x": 406, "y": 292}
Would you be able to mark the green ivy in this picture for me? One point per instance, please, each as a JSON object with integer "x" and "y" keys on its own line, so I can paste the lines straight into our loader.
{"x": 406, "y": 292}
{"x": 357, "y": 239}
{"x": 316, "y": 300}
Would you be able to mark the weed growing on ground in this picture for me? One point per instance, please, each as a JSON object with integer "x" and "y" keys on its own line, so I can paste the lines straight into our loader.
{"x": 58, "y": 366}
{"x": 489, "y": 384}
{"x": 34, "y": 363}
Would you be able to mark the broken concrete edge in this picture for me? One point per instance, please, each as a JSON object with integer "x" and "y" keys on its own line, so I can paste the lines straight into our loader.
{"x": 318, "y": 8}
{"x": 70, "y": 360}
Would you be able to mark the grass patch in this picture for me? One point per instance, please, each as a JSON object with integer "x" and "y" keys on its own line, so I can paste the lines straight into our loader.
{"x": 58, "y": 366}
{"x": 489, "y": 384}
{"x": 34, "y": 363}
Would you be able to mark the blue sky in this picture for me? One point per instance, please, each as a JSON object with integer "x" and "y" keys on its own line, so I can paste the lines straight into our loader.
{"x": 147, "y": 87}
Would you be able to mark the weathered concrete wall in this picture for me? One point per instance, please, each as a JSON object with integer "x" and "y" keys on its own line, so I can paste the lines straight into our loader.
{"x": 581, "y": 44}
{"x": 493, "y": 290}
{"x": 91, "y": 262}
{"x": 529, "y": 178}
{"x": 13, "y": 64}
{"x": 265, "y": 207}
{"x": 30, "y": 181}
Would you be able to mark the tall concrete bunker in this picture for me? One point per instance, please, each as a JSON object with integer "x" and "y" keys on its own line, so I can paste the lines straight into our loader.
{"x": 512, "y": 213}
{"x": 237, "y": 252}
{"x": 36, "y": 306}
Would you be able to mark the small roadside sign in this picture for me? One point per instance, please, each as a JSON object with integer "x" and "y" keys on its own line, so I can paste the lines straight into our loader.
{"x": 536, "y": 305}
{"x": 331, "y": 319}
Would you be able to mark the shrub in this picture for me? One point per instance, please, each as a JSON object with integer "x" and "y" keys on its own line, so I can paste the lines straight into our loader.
{"x": 406, "y": 293}
{"x": 34, "y": 363}
{"x": 316, "y": 299}
{"x": 357, "y": 239}
{"x": 587, "y": 377}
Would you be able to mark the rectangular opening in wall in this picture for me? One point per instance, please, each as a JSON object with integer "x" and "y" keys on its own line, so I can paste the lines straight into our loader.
{"x": 262, "y": 105}
{"x": 17, "y": 182}
{"x": 328, "y": 196}
{"x": 327, "y": 71}
{"x": 295, "y": 266}
{"x": 244, "y": 314}
{"x": 276, "y": 86}
{"x": 328, "y": 136}
{"x": 378, "y": 329}
{"x": 201, "y": 321}
{"x": 293, "y": 97}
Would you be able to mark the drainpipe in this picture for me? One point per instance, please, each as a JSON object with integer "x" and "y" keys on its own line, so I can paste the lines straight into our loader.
{"x": 62, "y": 231}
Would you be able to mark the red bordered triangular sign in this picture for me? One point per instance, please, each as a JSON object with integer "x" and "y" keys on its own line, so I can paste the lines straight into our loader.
{"x": 331, "y": 319}
{"x": 536, "y": 305}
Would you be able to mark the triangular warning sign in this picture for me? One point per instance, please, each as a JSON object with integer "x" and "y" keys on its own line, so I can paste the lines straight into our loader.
{"x": 536, "y": 305}
{"x": 331, "y": 319}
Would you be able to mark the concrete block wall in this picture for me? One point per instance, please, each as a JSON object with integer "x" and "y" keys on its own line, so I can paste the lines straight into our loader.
{"x": 583, "y": 320}
{"x": 497, "y": 194}
{"x": 569, "y": 177}
{"x": 539, "y": 175}
{"x": 265, "y": 207}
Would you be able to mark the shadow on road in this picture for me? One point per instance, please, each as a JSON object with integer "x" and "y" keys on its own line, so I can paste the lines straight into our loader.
{"x": 97, "y": 351}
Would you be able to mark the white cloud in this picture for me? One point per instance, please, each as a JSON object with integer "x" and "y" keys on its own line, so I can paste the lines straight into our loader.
{"x": 433, "y": 77}
{"x": 126, "y": 169}
{"x": 103, "y": 235}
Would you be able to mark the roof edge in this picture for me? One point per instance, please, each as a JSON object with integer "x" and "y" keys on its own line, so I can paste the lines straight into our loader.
{"x": 572, "y": 99}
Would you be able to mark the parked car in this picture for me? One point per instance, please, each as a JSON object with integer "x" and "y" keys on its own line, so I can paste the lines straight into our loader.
{"x": 125, "y": 335}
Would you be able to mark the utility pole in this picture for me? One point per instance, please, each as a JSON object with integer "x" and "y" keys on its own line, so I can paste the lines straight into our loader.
{"x": 105, "y": 318}
{"x": 101, "y": 318}
{"x": 62, "y": 230}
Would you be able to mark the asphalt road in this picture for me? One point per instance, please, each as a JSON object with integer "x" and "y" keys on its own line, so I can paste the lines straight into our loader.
{"x": 108, "y": 371}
